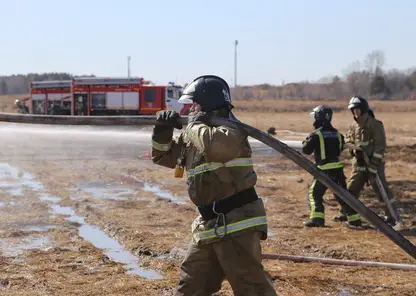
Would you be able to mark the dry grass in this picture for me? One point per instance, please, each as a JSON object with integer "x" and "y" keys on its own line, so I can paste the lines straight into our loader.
{"x": 398, "y": 117}
{"x": 160, "y": 228}
{"x": 273, "y": 106}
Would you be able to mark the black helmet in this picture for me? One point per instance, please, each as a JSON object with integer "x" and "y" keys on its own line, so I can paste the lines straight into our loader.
{"x": 359, "y": 102}
{"x": 322, "y": 115}
{"x": 210, "y": 91}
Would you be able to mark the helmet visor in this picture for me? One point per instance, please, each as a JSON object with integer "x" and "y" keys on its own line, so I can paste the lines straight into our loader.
{"x": 188, "y": 93}
{"x": 186, "y": 99}
{"x": 312, "y": 115}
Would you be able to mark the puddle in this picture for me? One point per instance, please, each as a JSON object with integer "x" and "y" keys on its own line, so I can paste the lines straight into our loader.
{"x": 164, "y": 194}
{"x": 111, "y": 247}
{"x": 49, "y": 198}
{"x": 344, "y": 293}
{"x": 104, "y": 190}
{"x": 38, "y": 228}
{"x": 115, "y": 251}
{"x": 7, "y": 204}
{"x": 13, "y": 247}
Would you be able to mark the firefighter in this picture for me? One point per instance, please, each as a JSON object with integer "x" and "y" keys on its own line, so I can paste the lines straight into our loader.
{"x": 367, "y": 133}
{"x": 22, "y": 108}
{"x": 226, "y": 235}
{"x": 326, "y": 143}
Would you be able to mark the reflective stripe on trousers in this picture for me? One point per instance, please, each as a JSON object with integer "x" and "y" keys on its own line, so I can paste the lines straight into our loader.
{"x": 212, "y": 166}
{"x": 354, "y": 217}
{"x": 313, "y": 213}
{"x": 219, "y": 232}
{"x": 331, "y": 166}
{"x": 161, "y": 147}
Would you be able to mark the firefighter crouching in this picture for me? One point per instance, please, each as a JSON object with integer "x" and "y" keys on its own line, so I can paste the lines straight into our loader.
{"x": 368, "y": 133}
{"x": 221, "y": 180}
{"x": 327, "y": 144}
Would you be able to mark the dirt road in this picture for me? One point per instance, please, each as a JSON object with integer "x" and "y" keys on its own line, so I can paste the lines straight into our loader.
{"x": 85, "y": 212}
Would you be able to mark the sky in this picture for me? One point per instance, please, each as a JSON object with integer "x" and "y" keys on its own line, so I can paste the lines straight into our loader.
{"x": 279, "y": 41}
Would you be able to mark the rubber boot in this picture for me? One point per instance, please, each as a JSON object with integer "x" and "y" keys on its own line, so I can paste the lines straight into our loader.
{"x": 315, "y": 222}
{"x": 339, "y": 218}
{"x": 356, "y": 223}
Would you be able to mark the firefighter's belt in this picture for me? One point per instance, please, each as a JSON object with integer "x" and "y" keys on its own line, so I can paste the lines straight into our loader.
{"x": 230, "y": 203}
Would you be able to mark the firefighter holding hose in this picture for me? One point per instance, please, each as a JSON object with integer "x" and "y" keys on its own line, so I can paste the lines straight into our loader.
{"x": 221, "y": 180}
{"x": 368, "y": 135}
{"x": 326, "y": 143}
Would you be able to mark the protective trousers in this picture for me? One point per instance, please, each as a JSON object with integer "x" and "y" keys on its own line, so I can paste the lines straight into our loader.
{"x": 236, "y": 258}
{"x": 317, "y": 192}
{"x": 360, "y": 176}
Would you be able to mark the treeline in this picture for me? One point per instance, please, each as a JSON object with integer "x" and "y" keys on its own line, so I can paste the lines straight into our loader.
{"x": 367, "y": 78}
{"x": 19, "y": 84}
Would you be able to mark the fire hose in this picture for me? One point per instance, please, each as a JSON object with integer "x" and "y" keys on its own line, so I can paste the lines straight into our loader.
{"x": 272, "y": 142}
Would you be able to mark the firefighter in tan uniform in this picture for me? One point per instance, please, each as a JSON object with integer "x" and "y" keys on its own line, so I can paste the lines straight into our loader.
{"x": 221, "y": 180}
{"x": 368, "y": 133}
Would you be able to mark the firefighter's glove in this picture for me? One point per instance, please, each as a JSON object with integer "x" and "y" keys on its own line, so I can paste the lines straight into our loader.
{"x": 168, "y": 118}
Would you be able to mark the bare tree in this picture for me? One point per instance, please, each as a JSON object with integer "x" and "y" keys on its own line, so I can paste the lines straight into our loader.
{"x": 374, "y": 62}
{"x": 352, "y": 67}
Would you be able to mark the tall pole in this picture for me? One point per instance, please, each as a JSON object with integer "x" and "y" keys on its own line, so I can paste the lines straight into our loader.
{"x": 128, "y": 66}
{"x": 235, "y": 63}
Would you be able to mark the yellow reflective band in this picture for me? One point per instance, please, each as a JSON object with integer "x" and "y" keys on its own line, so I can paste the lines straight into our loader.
{"x": 372, "y": 170}
{"x": 311, "y": 200}
{"x": 354, "y": 217}
{"x": 321, "y": 144}
{"x": 340, "y": 141}
{"x": 317, "y": 215}
{"x": 231, "y": 228}
{"x": 378, "y": 155}
{"x": 331, "y": 166}
{"x": 161, "y": 147}
{"x": 211, "y": 166}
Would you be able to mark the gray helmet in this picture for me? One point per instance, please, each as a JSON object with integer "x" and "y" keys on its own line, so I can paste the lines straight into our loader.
{"x": 210, "y": 91}
{"x": 359, "y": 102}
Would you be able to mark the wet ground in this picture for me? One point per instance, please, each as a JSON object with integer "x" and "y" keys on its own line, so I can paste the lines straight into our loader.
{"x": 85, "y": 212}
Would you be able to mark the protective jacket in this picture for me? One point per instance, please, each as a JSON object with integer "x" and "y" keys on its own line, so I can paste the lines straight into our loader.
{"x": 368, "y": 133}
{"x": 218, "y": 166}
{"x": 326, "y": 143}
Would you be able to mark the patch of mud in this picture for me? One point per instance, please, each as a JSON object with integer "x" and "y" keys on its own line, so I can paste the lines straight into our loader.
{"x": 13, "y": 246}
{"x": 99, "y": 239}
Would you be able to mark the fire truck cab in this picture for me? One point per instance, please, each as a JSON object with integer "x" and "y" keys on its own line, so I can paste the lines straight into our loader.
{"x": 123, "y": 96}
{"x": 50, "y": 97}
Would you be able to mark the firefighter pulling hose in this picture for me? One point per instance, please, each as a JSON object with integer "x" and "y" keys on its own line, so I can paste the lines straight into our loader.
{"x": 272, "y": 142}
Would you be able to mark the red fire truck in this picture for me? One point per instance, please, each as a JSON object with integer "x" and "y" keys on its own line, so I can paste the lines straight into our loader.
{"x": 104, "y": 96}
{"x": 123, "y": 96}
{"x": 50, "y": 97}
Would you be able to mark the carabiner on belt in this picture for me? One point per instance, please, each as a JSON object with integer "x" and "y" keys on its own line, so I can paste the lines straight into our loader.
{"x": 219, "y": 216}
